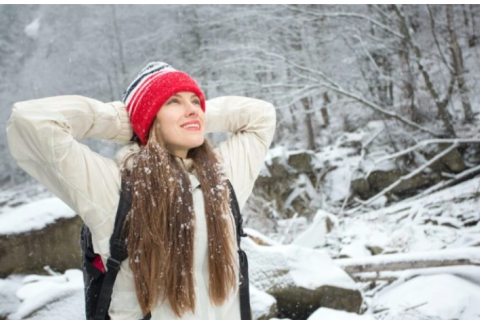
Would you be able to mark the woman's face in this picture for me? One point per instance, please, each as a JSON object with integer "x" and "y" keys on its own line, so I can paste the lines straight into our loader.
{"x": 182, "y": 123}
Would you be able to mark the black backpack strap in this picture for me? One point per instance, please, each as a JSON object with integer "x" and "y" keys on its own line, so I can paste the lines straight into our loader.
{"x": 244, "y": 291}
{"x": 118, "y": 252}
{"x": 92, "y": 276}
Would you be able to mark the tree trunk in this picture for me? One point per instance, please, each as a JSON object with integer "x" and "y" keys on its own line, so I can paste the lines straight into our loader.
{"x": 309, "y": 124}
{"x": 410, "y": 80}
{"x": 465, "y": 20}
{"x": 457, "y": 62}
{"x": 324, "y": 110}
{"x": 410, "y": 87}
{"x": 118, "y": 39}
{"x": 294, "y": 118}
{"x": 440, "y": 104}
{"x": 473, "y": 39}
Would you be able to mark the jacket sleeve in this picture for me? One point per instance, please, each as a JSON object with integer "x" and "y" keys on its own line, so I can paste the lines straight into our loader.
{"x": 252, "y": 123}
{"x": 43, "y": 138}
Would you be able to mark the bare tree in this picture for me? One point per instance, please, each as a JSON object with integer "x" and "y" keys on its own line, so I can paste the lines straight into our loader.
{"x": 458, "y": 68}
{"x": 118, "y": 63}
{"x": 324, "y": 109}
{"x": 441, "y": 104}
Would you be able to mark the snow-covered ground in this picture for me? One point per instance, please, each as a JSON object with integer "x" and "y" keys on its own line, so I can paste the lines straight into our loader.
{"x": 442, "y": 223}
{"x": 439, "y": 226}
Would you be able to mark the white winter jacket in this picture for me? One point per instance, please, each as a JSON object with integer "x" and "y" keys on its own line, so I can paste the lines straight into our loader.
{"x": 43, "y": 137}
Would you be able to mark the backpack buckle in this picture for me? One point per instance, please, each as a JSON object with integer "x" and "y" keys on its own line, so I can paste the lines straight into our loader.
{"x": 113, "y": 264}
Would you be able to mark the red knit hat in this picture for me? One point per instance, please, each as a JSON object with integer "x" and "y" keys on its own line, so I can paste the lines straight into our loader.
{"x": 155, "y": 84}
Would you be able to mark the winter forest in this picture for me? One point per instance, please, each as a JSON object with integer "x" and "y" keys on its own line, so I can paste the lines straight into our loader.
{"x": 367, "y": 206}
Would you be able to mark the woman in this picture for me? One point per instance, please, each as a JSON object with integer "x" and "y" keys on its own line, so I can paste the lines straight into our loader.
{"x": 181, "y": 240}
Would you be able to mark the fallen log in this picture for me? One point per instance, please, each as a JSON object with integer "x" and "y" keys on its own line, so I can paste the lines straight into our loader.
{"x": 414, "y": 260}
{"x": 469, "y": 272}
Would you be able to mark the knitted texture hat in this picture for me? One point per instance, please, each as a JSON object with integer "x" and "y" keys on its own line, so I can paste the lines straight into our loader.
{"x": 155, "y": 84}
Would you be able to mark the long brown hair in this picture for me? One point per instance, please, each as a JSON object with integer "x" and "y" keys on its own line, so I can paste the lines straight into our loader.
{"x": 161, "y": 227}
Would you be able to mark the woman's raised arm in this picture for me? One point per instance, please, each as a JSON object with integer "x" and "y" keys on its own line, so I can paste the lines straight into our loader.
{"x": 43, "y": 138}
{"x": 252, "y": 122}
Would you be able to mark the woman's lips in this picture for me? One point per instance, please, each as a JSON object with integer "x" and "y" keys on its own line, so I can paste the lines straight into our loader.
{"x": 191, "y": 126}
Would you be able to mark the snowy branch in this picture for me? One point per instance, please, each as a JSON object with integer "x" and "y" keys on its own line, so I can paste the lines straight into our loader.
{"x": 434, "y": 35}
{"x": 348, "y": 15}
{"x": 406, "y": 177}
{"x": 332, "y": 85}
{"x": 419, "y": 145}
{"x": 446, "y": 183}
{"x": 381, "y": 110}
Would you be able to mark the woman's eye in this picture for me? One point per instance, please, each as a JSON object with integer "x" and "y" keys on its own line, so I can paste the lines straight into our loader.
{"x": 173, "y": 101}
{"x": 196, "y": 102}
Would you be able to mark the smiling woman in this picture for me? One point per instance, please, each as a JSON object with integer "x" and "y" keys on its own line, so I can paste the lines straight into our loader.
{"x": 180, "y": 121}
{"x": 180, "y": 232}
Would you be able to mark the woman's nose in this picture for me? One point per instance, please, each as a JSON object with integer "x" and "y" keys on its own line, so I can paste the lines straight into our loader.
{"x": 192, "y": 109}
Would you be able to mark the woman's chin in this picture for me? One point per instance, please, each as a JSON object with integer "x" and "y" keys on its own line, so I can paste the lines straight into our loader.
{"x": 193, "y": 143}
{"x": 198, "y": 142}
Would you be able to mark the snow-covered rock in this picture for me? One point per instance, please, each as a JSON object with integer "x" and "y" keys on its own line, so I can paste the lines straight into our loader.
{"x": 43, "y": 232}
{"x": 33, "y": 216}
{"x": 301, "y": 279}
{"x": 285, "y": 187}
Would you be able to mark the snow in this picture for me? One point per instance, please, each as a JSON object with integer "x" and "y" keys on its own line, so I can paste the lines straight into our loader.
{"x": 331, "y": 314}
{"x": 337, "y": 184}
{"x": 300, "y": 265}
{"x": 71, "y": 307}
{"x": 422, "y": 224}
{"x": 255, "y": 234}
{"x": 260, "y": 302}
{"x": 277, "y": 152}
{"x": 289, "y": 228}
{"x": 31, "y": 30}
{"x": 441, "y": 297}
{"x": 33, "y": 216}
{"x": 38, "y": 291}
{"x": 307, "y": 265}
{"x": 314, "y": 235}
{"x": 355, "y": 250}
{"x": 8, "y": 301}
{"x": 334, "y": 155}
